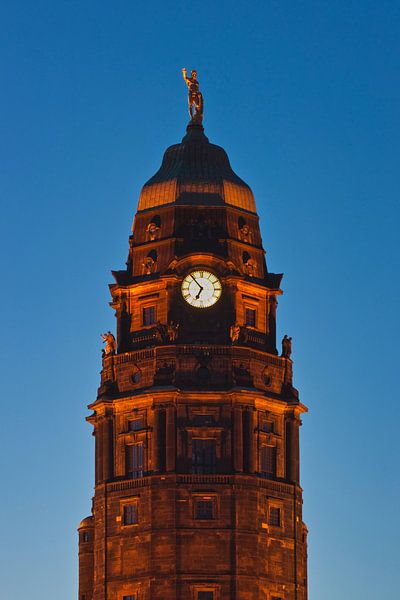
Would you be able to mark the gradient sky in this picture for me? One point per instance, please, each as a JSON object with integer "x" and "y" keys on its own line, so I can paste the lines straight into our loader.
{"x": 304, "y": 97}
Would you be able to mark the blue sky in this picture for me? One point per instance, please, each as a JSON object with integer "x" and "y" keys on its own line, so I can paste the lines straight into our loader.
{"x": 304, "y": 96}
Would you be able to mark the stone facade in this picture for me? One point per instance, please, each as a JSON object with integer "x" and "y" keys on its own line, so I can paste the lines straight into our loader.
{"x": 196, "y": 422}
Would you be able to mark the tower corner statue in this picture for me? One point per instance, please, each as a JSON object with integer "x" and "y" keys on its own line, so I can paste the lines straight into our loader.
{"x": 196, "y": 421}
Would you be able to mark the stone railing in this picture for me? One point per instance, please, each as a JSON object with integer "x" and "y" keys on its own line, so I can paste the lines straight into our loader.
{"x": 207, "y": 479}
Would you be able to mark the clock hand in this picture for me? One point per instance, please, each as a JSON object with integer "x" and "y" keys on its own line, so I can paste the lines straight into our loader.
{"x": 195, "y": 280}
{"x": 198, "y": 295}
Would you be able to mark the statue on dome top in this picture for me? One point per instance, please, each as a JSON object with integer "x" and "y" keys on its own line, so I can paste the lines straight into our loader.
{"x": 195, "y": 97}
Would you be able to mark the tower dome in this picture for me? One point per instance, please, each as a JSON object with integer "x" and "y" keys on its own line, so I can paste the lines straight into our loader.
{"x": 196, "y": 172}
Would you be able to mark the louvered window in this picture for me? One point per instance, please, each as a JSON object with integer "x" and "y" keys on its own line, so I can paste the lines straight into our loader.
{"x": 268, "y": 461}
{"x": 135, "y": 460}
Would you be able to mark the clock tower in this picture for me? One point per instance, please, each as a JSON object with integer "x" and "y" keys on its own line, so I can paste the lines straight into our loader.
{"x": 196, "y": 421}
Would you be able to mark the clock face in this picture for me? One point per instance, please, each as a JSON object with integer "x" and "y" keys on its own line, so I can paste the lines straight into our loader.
{"x": 201, "y": 288}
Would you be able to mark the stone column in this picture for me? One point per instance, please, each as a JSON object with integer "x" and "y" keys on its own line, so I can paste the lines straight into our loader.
{"x": 237, "y": 439}
{"x": 252, "y": 443}
{"x": 108, "y": 442}
{"x": 292, "y": 449}
{"x": 170, "y": 439}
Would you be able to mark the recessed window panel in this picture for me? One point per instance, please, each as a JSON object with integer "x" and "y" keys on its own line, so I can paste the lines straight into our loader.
{"x": 203, "y": 456}
{"x": 204, "y": 509}
{"x": 205, "y": 595}
{"x": 134, "y": 460}
{"x": 268, "y": 461}
{"x": 274, "y": 516}
{"x": 130, "y": 516}
{"x": 250, "y": 317}
{"x": 149, "y": 315}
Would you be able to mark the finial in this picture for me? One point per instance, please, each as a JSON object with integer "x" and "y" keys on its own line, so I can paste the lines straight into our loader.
{"x": 195, "y": 97}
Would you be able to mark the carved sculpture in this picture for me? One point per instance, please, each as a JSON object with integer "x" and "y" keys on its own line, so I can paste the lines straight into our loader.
{"x": 167, "y": 332}
{"x": 152, "y": 231}
{"x": 235, "y": 332}
{"x": 249, "y": 268}
{"x": 172, "y": 331}
{"x": 286, "y": 347}
{"x": 245, "y": 234}
{"x": 195, "y": 97}
{"x": 148, "y": 265}
{"x": 110, "y": 343}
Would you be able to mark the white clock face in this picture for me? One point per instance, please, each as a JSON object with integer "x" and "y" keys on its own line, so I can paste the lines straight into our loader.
{"x": 201, "y": 288}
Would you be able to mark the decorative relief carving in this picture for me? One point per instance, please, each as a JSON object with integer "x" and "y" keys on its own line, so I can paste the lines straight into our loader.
{"x": 242, "y": 375}
{"x": 165, "y": 373}
{"x": 266, "y": 377}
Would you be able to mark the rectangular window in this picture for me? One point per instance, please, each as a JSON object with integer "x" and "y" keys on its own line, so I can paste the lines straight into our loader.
{"x": 268, "y": 461}
{"x": 130, "y": 597}
{"x": 205, "y": 595}
{"x": 250, "y": 317}
{"x": 85, "y": 536}
{"x": 274, "y": 516}
{"x": 149, "y": 315}
{"x": 136, "y": 424}
{"x": 135, "y": 460}
{"x": 203, "y": 456}
{"x": 130, "y": 516}
{"x": 204, "y": 508}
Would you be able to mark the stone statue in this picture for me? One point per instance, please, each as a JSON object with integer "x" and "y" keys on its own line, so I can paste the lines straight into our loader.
{"x": 110, "y": 343}
{"x": 235, "y": 332}
{"x": 245, "y": 234}
{"x": 195, "y": 97}
{"x": 286, "y": 347}
{"x": 172, "y": 331}
{"x": 148, "y": 265}
{"x": 152, "y": 231}
{"x": 249, "y": 268}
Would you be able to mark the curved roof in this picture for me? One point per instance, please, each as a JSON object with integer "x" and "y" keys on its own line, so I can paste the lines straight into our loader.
{"x": 87, "y": 522}
{"x": 196, "y": 172}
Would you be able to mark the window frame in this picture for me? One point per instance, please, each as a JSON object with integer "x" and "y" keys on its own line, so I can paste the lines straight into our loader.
{"x": 200, "y": 467}
{"x": 209, "y": 498}
{"x": 138, "y": 473}
{"x": 266, "y": 473}
{"x": 130, "y": 504}
{"x": 272, "y": 522}
{"x": 253, "y": 309}
{"x": 146, "y": 307}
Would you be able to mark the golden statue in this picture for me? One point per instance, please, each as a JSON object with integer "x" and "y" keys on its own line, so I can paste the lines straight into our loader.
{"x": 195, "y": 97}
